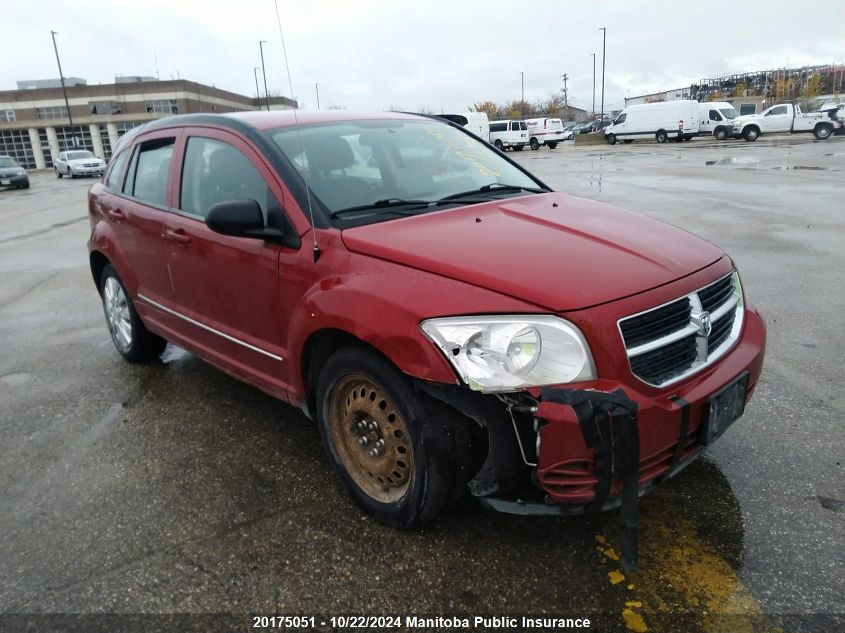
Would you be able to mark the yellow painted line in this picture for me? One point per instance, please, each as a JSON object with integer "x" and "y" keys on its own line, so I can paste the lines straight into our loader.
{"x": 680, "y": 573}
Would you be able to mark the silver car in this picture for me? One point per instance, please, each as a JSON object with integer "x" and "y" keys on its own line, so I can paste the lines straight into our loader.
{"x": 79, "y": 163}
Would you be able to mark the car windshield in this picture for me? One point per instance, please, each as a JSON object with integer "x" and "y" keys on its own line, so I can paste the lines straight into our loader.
{"x": 78, "y": 155}
{"x": 5, "y": 161}
{"x": 368, "y": 170}
{"x": 729, "y": 113}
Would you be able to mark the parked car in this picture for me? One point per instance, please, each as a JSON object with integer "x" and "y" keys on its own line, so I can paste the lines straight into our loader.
{"x": 78, "y": 163}
{"x": 783, "y": 117}
{"x": 835, "y": 112}
{"x": 544, "y": 131}
{"x": 678, "y": 120}
{"x": 12, "y": 174}
{"x": 509, "y": 135}
{"x": 447, "y": 319}
{"x": 569, "y": 132}
{"x": 475, "y": 122}
{"x": 716, "y": 118}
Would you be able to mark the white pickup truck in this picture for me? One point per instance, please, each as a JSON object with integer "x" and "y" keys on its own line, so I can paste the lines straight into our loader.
{"x": 784, "y": 117}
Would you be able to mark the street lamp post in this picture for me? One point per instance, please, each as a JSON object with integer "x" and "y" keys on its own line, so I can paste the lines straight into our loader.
{"x": 317, "y": 90}
{"x": 522, "y": 101}
{"x": 64, "y": 89}
{"x": 594, "y": 84}
{"x": 257, "y": 93}
{"x": 603, "y": 30}
{"x": 261, "y": 44}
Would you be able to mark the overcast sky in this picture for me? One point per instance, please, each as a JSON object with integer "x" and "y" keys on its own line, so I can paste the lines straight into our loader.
{"x": 433, "y": 54}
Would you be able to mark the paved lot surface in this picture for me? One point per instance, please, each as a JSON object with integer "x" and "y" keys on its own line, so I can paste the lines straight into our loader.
{"x": 173, "y": 488}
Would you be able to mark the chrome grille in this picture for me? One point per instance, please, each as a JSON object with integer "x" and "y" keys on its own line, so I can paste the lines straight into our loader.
{"x": 677, "y": 339}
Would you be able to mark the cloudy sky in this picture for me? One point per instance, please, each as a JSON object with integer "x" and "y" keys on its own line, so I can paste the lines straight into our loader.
{"x": 438, "y": 55}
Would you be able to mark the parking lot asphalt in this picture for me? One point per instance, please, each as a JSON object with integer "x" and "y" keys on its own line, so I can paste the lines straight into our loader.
{"x": 172, "y": 488}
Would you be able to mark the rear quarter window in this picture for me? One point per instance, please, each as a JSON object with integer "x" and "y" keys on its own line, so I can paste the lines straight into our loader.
{"x": 147, "y": 176}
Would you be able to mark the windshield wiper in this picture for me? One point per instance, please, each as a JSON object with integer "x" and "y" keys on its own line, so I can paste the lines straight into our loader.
{"x": 493, "y": 187}
{"x": 387, "y": 203}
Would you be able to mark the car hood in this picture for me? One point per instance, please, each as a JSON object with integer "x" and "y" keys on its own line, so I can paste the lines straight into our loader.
{"x": 85, "y": 161}
{"x": 9, "y": 171}
{"x": 557, "y": 251}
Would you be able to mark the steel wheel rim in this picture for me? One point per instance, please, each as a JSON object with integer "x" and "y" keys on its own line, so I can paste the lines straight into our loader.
{"x": 370, "y": 438}
{"x": 116, "y": 306}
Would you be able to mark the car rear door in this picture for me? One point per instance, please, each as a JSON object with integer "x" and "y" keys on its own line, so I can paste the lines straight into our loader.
{"x": 226, "y": 288}
{"x": 136, "y": 212}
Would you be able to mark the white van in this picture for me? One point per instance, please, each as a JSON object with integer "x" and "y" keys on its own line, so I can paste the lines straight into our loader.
{"x": 716, "y": 118}
{"x": 509, "y": 134}
{"x": 547, "y": 132}
{"x": 475, "y": 122}
{"x": 661, "y": 121}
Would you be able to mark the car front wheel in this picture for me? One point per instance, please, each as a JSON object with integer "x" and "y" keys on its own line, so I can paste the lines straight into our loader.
{"x": 400, "y": 453}
{"x": 58, "y": 173}
{"x": 134, "y": 342}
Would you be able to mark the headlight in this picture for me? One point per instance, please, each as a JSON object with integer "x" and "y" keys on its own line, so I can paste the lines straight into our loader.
{"x": 737, "y": 284}
{"x": 21, "y": 172}
{"x": 503, "y": 353}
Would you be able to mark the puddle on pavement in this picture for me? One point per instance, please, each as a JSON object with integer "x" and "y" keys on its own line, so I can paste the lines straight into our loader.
{"x": 14, "y": 379}
{"x": 754, "y": 163}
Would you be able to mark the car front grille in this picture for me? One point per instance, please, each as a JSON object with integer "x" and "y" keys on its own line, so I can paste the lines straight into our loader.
{"x": 677, "y": 339}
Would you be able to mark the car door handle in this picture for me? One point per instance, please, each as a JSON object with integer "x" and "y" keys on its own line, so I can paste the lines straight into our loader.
{"x": 115, "y": 214}
{"x": 179, "y": 236}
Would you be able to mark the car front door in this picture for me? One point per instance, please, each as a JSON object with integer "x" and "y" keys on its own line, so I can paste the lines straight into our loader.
{"x": 226, "y": 288}
{"x": 777, "y": 119}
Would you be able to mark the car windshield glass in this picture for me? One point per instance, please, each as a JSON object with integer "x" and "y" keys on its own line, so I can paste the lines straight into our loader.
{"x": 365, "y": 167}
{"x": 7, "y": 162}
{"x": 78, "y": 155}
{"x": 729, "y": 113}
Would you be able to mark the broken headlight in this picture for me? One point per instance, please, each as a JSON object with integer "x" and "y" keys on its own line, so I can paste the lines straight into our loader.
{"x": 503, "y": 353}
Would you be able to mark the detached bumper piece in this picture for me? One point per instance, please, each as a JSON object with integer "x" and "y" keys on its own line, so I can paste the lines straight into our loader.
{"x": 608, "y": 423}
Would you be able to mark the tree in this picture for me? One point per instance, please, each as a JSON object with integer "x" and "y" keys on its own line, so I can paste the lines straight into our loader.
{"x": 487, "y": 107}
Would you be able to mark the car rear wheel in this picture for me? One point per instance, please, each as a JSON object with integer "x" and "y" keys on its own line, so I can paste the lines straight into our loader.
{"x": 822, "y": 132}
{"x": 498, "y": 145}
{"x": 552, "y": 144}
{"x": 134, "y": 342}
{"x": 535, "y": 144}
{"x": 395, "y": 449}
{"x": 661, "y": 136}
{"x": 611, "y": 139}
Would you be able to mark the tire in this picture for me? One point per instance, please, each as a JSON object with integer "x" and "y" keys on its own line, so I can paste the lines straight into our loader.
{"x": 70, "y": 173}
{"x": 25, "y": 186}
{"x": 58, "y": 173}
{"x": 131, "y": 339}
{"x": 551, "y": 144}
{"x": 498, "y": 145}
{"x": 364, "y": 404}
{"x": 611, "y": 139}
{"x": 661, "y": 136}
{"x": 628, "y": 141}
{"x": 535, "y": 144}
{"x": 721, "y": 134}
{"x": 750, "y": 134}
{"x": 822, "y": 132}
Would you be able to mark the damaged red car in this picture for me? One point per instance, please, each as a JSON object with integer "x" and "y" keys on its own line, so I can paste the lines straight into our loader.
{"x": 450, "y": 322}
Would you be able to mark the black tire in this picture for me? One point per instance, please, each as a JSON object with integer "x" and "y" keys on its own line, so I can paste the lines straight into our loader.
{"x": 58, "y": 173}
{"x": 498, "y": 145}
{"x": 721, "y": 134}
{"x": 433, "y": 453}
{"x": 628, "y": 141}
{"x": 661, "y": 136}
{"x": 611, "y": 139}
{"x": 70, "y": 173}
{"x": 751, "y": 133}
{"x": 25, "y": 186}
{"x": 142, "y": 345}
{"x": 535, "y": 144}
{"x": 823, "y": 132}
{"x": 551, "y": 144}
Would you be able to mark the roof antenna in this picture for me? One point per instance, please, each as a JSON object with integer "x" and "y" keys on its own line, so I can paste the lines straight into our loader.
{"x": 298, "y": 133}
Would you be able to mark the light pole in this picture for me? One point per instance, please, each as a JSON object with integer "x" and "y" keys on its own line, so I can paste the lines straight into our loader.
{"x": 603, "y": 30}
{"x": 317, "y": 89}
{"x": 64, "y": 89}
{"x": 522, "y": 101}
{"x": 261, "y": 44}
{"x": 594, "y": 84}
{"x": 257, "y": 93}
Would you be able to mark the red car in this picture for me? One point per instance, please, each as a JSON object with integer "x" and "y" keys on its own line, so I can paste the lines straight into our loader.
{"x": 448, "y": 320}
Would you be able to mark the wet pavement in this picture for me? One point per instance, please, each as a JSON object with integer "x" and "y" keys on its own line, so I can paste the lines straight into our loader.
{"x": 172, "y": 488}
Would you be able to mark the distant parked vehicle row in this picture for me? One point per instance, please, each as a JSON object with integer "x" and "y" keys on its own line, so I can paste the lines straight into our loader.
{"x": 79, "y": 163}
{"x": 12, "y": 174}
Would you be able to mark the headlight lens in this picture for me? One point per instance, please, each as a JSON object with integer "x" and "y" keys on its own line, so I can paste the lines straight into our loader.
{"x": 503, "y": 353}
{"x": 737, "y": 284}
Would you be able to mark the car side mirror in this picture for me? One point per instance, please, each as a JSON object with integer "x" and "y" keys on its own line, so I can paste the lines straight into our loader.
{"x": 240, "y": 218}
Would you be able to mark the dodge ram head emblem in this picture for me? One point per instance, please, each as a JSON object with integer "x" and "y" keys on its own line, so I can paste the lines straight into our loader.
{"x": 702, "y": 322}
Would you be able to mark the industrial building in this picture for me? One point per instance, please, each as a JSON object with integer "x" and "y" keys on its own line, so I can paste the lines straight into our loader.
{"x": 35, "y": 126}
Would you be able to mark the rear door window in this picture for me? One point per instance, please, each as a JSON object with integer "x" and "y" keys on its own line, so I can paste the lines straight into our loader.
{"x": 115, "y": 171}
{"x": 147, "y": 176}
